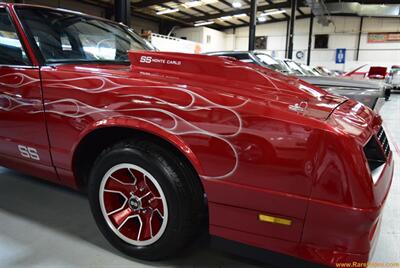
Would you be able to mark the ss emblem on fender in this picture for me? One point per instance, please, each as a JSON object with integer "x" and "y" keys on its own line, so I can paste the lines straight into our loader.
{"x": 28, "y": 152}
{"x": 145, "y": 59}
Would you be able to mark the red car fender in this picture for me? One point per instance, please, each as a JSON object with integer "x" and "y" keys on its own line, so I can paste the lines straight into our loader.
{"x": 142, "y": 126}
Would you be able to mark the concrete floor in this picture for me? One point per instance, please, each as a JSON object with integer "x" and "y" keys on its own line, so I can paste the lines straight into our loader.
{"x": 44, "y": 225}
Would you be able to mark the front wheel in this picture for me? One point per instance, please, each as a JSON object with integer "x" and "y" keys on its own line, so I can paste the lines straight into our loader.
{"x": 146, "y": 201}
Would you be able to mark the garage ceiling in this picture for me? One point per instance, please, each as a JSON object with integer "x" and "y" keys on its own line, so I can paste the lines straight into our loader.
{"x": 220, "y": 14}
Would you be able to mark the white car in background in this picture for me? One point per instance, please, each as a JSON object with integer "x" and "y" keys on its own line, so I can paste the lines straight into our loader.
{"x": 394, "y": 77}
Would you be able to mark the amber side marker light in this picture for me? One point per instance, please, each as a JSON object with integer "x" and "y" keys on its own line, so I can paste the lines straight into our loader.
{"x": 276, "y": 220}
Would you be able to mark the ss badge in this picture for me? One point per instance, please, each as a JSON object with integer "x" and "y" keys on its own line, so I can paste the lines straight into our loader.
{"x": 28, "y": 152}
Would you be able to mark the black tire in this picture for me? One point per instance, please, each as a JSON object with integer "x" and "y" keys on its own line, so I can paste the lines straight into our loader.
{"x": 180, "y": 185}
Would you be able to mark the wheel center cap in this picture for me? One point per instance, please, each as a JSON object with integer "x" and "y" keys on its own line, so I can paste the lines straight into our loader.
{"x": 135, "y": 203}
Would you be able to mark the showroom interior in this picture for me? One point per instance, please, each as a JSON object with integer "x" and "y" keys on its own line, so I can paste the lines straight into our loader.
{"x": 333, "y": 71}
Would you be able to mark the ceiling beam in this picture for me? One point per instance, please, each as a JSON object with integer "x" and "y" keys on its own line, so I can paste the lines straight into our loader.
{"x": 139, "y": 14}
{"x": 111, "y": 7}
{"x": 284, "y": 14}
{"x": 242, "y": 21}
{"x": 243, "y": 10}
{"x": 215, "y": 8}
{"x": 194, "y": 18}
{"x": 269, "y": 22}
{"x": 220, "y": 11}
{"x": 195, "y": 9}
{"x": 199, "y": 11}
{"x": 180, "y": 11}
{"x": 226, "y": 3}
{"x": 269, "y": 2}
{"x": 147, "y": 3}
{"x": 205, "y": 13}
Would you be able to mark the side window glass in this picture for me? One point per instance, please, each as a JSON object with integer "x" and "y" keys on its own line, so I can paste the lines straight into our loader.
{"x": 65, "y": 43}
{"x": 241, "y": 57}
{"x": 11, "y": 50}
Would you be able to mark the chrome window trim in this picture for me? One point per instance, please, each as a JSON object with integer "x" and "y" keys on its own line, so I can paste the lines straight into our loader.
{"x": 19, "y": 66}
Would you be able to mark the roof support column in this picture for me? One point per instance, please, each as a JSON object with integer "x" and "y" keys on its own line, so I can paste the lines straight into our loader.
{"x": 310, "y": 32}
{"x": 359, "y": 38}
{"x": 122, "y": 10}
{"x": 253, "y": 23}
{"x": 293, "y": 6}
{"x": 287, "y": 38}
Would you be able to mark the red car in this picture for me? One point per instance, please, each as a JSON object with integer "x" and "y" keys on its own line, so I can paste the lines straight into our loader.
{"x": 165, "y": 143}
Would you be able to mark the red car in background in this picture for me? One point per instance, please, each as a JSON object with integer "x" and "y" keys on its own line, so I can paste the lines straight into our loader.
{"x": 166, "y": 142}
{"x": 377, "y": 72}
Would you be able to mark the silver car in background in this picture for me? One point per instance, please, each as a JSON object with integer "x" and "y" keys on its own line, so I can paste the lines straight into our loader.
{"x": 370, "y": 93}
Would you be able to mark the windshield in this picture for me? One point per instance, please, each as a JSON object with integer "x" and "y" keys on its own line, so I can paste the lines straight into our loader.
{"x": 270, "y": 62}
{"x": 294, "y": 67}
{"x": 72, "y": 37}
{"x": 324, "y": 71}
{"x": 309, "y": 70}
{"x": 393, "y": 70}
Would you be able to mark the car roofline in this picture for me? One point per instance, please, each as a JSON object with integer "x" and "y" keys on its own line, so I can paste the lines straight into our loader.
{"x": 34, "y": 6}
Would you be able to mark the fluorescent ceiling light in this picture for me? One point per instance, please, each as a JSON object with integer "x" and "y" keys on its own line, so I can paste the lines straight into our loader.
{"x": 262, "y": 19}
{"x": 167, "y": 11}
{"x": 240, "y": 15}
{"x": 192, "y": 4}
{"x": 273, "y": 12}
{"x": 237, "y": 4}
{"x": 225, "y": 17}
{"x": 197, "y": 3}
{"x": 207, "y": 2}
{"x": 203, "y": 23}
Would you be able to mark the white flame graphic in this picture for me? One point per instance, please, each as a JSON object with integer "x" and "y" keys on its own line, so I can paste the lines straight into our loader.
{"x": 73, "y": 108}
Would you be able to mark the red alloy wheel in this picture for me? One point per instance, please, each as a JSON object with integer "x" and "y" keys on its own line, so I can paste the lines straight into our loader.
{"x": 133, "y": 204}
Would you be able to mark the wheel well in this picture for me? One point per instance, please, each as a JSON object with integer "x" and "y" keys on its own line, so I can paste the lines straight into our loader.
{"x": 94, "y": 143}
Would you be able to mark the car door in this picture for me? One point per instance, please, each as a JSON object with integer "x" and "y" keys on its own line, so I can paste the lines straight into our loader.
{"x": 23, "y": 134}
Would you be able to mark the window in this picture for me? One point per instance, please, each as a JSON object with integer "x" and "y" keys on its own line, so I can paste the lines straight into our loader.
{"x": 241, "y": 56}
{"x": 11, "y": 51}
{"x": 270, "y": 62}
{"x": 309, "y": 71}
{"x": 244, "y": 57}
{"x": 64, "y": 37}
{"x": 321, "y": 41}
{"x": 294, "y": 67}
{"x": 261, "y": 43}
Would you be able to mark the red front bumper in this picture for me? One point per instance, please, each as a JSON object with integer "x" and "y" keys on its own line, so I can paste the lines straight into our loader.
{"x": 336, "y": 234}
{"x": 332, "y": 233}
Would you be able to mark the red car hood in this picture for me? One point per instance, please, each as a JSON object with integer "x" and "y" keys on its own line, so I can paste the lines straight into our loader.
{"x": 229, "y": 76}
